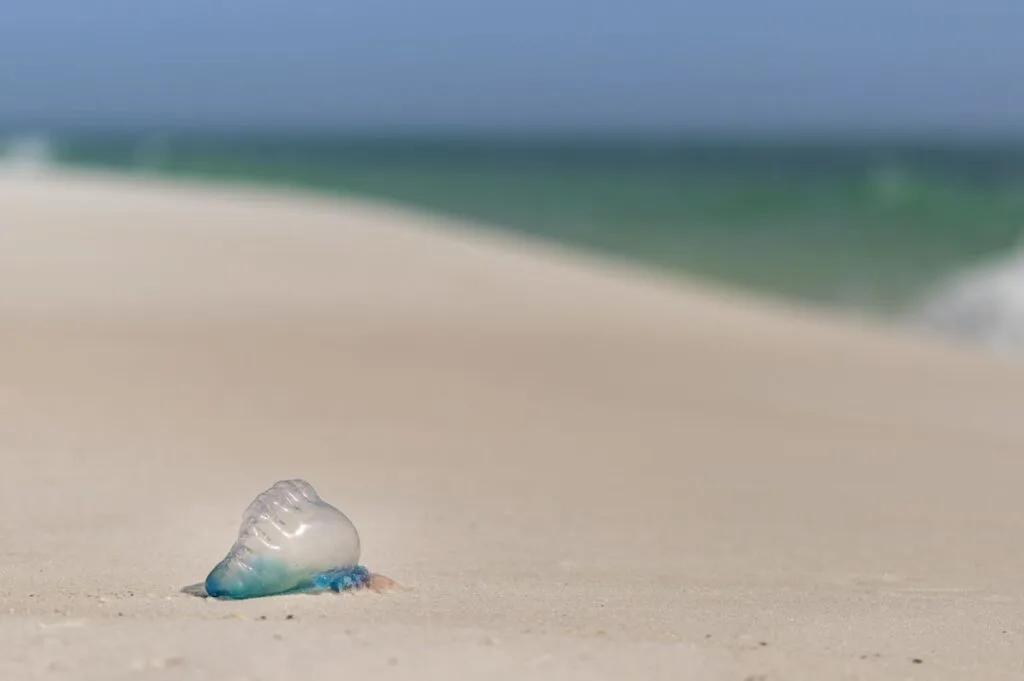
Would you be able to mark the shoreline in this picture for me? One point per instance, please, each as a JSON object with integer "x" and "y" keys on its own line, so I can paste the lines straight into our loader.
{"x": 885, "y": 230}
{"x": 472, "y": 236}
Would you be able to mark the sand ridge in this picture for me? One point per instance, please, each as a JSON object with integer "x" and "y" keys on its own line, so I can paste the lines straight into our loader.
{"x": 577, "y": 471}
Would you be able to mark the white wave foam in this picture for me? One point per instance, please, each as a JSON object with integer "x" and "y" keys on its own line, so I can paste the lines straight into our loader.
{"x": 26, "y": 154}
{"x": 983, "y": 305}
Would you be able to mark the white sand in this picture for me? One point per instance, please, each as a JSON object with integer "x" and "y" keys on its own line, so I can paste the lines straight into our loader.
{"x": 577, "y": 472}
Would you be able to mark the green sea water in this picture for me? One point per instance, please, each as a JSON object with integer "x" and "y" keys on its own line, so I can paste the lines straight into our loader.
{"x": 853, "y": 223}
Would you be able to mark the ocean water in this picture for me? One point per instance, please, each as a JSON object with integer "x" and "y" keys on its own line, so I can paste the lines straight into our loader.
{"x": 923, "y": 230}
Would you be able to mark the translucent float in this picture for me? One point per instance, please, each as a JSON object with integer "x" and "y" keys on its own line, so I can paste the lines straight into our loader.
{"x": 291, "y": 541}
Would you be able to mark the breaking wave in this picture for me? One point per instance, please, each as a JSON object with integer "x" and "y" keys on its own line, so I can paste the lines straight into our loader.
{"x": 982, "y": 305}
{"x": 26, "y": 153}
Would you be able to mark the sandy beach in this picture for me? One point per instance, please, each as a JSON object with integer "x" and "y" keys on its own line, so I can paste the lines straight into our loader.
{"x": 575, "y": 470}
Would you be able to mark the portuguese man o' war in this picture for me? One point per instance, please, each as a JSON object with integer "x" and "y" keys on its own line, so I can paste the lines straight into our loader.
{"x": 291, "y": 541}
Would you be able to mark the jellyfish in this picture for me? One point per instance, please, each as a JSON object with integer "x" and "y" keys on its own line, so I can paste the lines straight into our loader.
{"x": 291, "y": 541}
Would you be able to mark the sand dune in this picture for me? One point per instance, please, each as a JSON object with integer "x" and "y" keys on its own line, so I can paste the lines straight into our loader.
{"x": 576, "y": 471}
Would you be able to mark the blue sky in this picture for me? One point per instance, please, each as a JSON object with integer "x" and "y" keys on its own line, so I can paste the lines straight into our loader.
{"x": 528, "y": 63}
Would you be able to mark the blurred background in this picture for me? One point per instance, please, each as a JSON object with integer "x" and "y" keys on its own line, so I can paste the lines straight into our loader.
{"x": 866, "y": 156}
